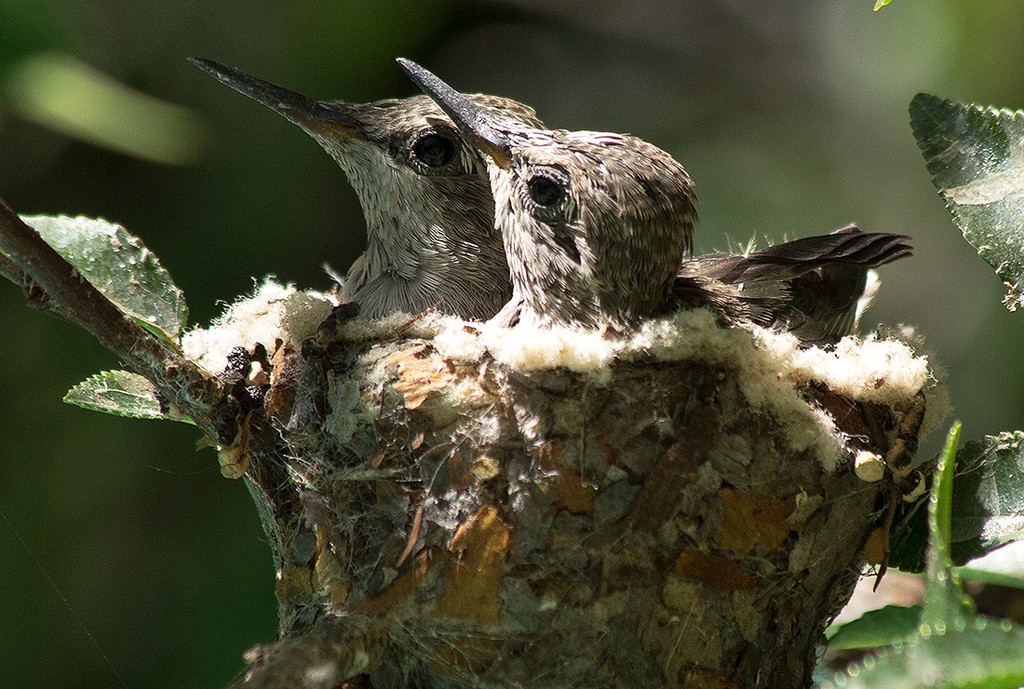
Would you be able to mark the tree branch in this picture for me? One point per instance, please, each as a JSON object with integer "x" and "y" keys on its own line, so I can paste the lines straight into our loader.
{"x": 10, "y": 270}
{"x": 30, "y": 259}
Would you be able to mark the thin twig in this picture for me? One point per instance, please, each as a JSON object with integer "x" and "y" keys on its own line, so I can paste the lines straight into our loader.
{"x": 74, "y": 298}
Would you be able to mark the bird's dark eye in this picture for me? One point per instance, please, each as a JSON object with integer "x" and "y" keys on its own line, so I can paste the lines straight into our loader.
{"x": 434, "y": 150}
{"x": 546, "y": 191}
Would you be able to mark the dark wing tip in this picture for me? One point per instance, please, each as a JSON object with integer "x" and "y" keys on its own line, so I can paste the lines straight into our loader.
{"x": 848, "y": 246}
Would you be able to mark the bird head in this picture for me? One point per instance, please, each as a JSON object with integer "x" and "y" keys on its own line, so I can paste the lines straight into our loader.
{"x": 595, "y": 224}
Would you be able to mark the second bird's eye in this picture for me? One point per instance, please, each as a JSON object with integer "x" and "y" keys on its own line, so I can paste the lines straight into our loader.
{"x": 434, "y": 150}
{"x": 546, "y": 191}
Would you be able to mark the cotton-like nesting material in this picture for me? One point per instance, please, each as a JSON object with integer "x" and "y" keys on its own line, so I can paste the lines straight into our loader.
{"x": 274, "y": 314}
{"x": 768, "y": 364}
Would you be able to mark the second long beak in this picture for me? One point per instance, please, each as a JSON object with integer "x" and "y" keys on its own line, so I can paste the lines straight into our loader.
{"x": 480, "y": 127}
{"x": 330, "y": 119}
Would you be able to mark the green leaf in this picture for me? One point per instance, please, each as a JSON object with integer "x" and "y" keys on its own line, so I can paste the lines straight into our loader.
{"x": 988, "y": 504}
{"x": 975, "y": 653}
{"x": 122, "y": 393}
{"x": 944, "y": 601}
{"x": 990, "y": 577}
{"x": 118, "y": 265}
{"x": 1004, "y": 566}
{"x": 875, "y": 628}
{"x": 880, "y": 4}
{"x": 976, "y": 158}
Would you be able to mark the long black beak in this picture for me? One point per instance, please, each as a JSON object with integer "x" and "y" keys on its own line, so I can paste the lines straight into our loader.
{"x": 333, "y": 119}
{"x": 479, "y": 126}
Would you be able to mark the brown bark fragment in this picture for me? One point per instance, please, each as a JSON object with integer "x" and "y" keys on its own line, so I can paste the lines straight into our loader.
{"x": 419, "y": 375}
{"x": 713, "y": 570}
{"x": 472, "y": 576}
{"x": 752, "y": 521}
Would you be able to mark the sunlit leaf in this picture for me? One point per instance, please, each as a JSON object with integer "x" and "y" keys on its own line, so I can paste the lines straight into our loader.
{"x": 879, "y": 4}
{"x": 118, "y": 265}
{"x": 977, "y": 653}
{"x": 875, "y": 628}
{"x": 976, "y": 158}
{"x": 122, "y": 393}
{"x": 1004, "y": 566}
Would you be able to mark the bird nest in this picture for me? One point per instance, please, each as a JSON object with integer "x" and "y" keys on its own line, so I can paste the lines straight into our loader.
{"x": 452, "y": 504}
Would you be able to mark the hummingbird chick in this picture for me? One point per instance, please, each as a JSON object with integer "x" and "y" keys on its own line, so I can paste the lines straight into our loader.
{"x": 597, "y": 230}
{"x": 431, "y": 237}
{"x": 595, "y": 225}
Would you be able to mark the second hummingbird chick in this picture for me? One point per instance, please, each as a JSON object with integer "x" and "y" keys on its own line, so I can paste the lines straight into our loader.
{"x": 431, "y": 239}
{"x": 595, "y": 225}
{"x": 597, "y": 230}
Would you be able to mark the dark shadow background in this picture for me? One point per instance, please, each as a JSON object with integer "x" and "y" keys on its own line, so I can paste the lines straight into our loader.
{"x": 790, "y": 115}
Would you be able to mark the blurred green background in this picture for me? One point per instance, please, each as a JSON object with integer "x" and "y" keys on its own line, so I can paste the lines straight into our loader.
{"x": 790, "y": 115}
